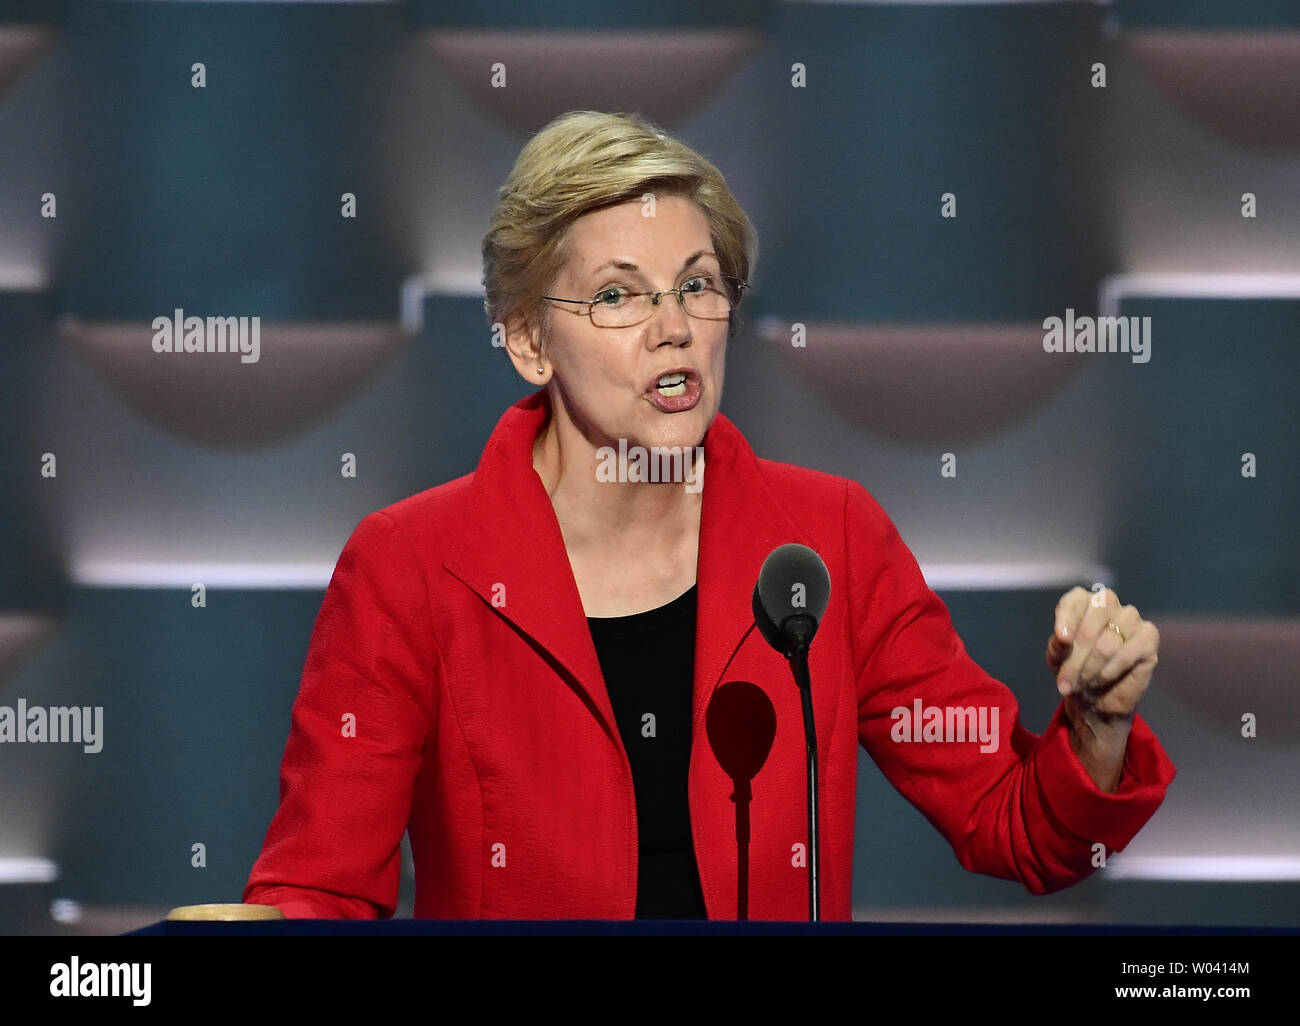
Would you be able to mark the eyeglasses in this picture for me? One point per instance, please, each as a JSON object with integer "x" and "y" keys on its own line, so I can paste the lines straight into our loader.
{"x": 710, "y": 297}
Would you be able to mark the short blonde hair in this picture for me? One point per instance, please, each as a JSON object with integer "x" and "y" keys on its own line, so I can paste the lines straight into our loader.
{"x": 580, "y": 162}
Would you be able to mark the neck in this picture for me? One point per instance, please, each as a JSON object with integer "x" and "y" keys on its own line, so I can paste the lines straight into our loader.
{"x": 596, "y": 514}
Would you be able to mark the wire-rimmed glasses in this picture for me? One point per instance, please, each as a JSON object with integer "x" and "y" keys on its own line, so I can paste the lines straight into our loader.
{"x": 710, "y": 297}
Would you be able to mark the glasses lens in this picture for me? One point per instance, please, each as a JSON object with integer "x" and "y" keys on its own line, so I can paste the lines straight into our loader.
{"x": 617, "y": 308}
{"x": 707, "y": 297}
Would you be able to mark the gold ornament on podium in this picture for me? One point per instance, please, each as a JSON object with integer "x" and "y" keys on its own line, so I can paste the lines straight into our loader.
{"x": 223, "y": 913}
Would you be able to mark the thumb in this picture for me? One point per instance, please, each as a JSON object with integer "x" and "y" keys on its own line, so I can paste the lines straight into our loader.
{"x": 1058, "y": 651}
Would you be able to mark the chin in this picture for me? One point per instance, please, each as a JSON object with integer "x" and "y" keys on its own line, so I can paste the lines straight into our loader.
{"x": 680, "y": 429}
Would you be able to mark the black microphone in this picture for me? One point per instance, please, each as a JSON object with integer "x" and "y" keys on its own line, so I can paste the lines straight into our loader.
{"x": 790, "y": 599}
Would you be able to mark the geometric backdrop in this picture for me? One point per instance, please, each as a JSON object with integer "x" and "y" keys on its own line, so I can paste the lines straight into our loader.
{"x": 929, "y": 181}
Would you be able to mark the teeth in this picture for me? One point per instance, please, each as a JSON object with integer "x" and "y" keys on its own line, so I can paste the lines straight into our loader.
{"x": 672, "y": 384}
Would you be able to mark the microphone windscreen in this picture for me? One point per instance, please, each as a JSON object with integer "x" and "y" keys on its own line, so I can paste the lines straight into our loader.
{"x": 793, "y": 581}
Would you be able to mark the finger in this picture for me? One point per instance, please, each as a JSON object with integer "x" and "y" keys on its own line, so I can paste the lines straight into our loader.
{"x": 1143, "y": 644}
{"x": 1117, "y": 668}
{"x": 1086, "y": 636}
{"x": 1109, "y": 642}
{"x": 1107, "y": 645}
{"x": 1069, "y": 611}
{"x": 1129, "y": 621}
{"x": 1057, "y": 652}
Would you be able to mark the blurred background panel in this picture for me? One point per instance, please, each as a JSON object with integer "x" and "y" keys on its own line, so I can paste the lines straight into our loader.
{"x": 930, "y": 183}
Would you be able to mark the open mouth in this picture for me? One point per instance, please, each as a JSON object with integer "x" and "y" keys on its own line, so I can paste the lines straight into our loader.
{"x": 670, "y": 385}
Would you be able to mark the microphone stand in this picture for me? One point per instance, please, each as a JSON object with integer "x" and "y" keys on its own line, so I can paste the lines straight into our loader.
{"x": 798, "y": 631}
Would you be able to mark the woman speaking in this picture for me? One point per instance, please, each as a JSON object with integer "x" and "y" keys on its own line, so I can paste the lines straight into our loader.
{"x": 526, "y": 667}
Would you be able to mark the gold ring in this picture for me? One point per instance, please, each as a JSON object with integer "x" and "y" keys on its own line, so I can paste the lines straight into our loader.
{"x": 1115, "y": 627}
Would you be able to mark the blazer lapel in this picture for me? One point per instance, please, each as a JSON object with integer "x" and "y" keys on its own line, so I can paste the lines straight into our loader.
{"x": 741, "y": 522}
{"x": 511, "y": 552}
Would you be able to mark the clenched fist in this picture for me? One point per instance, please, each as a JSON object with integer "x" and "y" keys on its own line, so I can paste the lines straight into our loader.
{"x": 1102, "y": 654}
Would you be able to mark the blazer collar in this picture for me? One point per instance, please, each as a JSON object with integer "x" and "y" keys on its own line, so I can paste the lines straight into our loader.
{"x": 510, "y": 551}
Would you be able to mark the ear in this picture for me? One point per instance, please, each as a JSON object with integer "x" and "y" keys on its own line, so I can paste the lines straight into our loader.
{"x": 523, "y": 343}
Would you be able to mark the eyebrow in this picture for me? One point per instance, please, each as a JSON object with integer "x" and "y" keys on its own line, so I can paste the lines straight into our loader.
{"x": 627, "y": 265}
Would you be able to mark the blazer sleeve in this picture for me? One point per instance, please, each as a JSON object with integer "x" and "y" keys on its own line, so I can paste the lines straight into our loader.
{"x": 1024, "y": 810}
{"x": 359, "y": 724}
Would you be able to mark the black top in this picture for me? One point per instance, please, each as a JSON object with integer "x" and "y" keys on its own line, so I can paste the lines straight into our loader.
{"x": 648, "y": 660}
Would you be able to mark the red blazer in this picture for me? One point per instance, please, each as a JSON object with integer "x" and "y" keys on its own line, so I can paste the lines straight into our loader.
{"x": 452, "y": 688}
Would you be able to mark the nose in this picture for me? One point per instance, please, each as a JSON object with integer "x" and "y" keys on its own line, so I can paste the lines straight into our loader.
{"x": 671, "y": 307}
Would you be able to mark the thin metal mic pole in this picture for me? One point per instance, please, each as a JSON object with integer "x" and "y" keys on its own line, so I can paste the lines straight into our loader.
{"x": 799, "y": 667}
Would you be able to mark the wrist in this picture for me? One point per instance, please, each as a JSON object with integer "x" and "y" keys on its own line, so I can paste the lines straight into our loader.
{"x": 1099, "y": 742}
